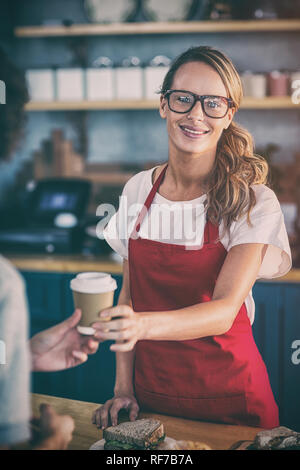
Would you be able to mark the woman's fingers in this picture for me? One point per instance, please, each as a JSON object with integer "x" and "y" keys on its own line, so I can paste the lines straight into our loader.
{"x": 124, "y": 329}
{"x": 100, "y": 417}
{"x": 118, "y": 311}
{"x": 111, "y": 410}
{"x": 123, "y": 335}
{"x": 123, "y": 347}
{"x": 117, "y": 405}
{"x": 95, "y": 416}
{"x": 103, "y": 417}
{"x": 120, "y": 324}
{"x": 134, "y": 411}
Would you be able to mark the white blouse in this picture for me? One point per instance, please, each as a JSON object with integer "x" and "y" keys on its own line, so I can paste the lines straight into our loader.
{"x": 182, "y": 223}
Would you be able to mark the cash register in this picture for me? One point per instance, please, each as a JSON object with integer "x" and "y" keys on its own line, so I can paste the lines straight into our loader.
{"x": 54, "y": 221}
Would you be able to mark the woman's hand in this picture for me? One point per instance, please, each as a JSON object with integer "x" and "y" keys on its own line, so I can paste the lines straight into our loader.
{"x": 125, "y": 327}
{"x": 111, "y": 408}
{"x": 61, "y": 346}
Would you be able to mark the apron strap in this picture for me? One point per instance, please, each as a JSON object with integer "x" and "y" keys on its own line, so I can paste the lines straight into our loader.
{"x": 149, "y": 200}
{"x": 211, "y": 232}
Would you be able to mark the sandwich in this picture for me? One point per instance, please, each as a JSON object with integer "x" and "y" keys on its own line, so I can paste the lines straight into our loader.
{"x": 142, "y": 434}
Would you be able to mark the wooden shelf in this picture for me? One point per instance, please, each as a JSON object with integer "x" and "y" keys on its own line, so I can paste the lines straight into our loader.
{"x": 64, "y": 263}
{"x": 251, "y": 26}
{"x": 270, "y": 102}
{"x": 90, "y": 105}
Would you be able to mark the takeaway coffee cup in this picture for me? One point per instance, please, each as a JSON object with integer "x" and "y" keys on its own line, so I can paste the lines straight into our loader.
{"x": 92, "y": 292}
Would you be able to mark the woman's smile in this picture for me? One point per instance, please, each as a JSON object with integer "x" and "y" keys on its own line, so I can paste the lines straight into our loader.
{"x": 193, "y": 132}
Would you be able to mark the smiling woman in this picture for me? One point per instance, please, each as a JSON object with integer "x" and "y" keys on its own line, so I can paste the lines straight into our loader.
{"x": 236, "y": 167}
{"x": 183, "y": 331}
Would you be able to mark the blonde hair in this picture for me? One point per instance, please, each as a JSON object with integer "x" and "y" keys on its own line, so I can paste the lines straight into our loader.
{"x": 236, "y": 167}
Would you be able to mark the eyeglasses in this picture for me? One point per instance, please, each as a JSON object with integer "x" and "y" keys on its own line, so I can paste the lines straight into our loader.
{"x": 181, "y": 101}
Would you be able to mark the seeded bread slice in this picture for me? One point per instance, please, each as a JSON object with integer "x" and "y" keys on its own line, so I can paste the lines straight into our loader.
{"x": 277, "y": 438}
{"x": 141, "y": 433}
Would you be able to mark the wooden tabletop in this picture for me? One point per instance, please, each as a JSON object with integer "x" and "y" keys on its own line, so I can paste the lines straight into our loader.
{"x": 217, "y": 436}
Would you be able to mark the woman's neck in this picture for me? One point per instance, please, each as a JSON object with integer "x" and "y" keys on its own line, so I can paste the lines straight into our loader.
{"x": 186, "y": 177}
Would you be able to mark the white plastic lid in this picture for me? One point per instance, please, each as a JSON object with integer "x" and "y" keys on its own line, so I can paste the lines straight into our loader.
{"x": 93, "y": 283}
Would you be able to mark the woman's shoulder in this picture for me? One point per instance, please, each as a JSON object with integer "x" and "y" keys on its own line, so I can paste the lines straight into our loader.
{"x": 266, "y": 197}
{"x": 156, "y": 172}
{"x": 142, "y": 181}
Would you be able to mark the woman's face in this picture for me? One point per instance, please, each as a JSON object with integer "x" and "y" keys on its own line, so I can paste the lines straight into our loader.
{"x": 185, "y": 130}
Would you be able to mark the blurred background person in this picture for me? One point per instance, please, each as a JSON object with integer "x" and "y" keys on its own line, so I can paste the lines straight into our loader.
{"x": 56, "y": 348}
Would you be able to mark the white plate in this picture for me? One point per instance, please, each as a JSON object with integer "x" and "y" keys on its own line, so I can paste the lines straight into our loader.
{"x": 168, "y": 10}
{"x": 167, "y": 444}
{"x": 108, "y": 11}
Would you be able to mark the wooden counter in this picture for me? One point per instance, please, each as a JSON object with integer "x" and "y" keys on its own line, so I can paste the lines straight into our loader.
{"x": 217, "y": 436}
{"x": 65, "y": 263}
{"x": 78, "y": 263}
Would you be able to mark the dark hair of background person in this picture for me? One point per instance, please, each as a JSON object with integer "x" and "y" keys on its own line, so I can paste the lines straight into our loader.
{"x": 12, "y": 114}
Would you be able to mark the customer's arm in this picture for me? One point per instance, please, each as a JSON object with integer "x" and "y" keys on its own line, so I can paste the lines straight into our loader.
{"x": 61, "y": 346}
{"x": 15, "y": 358}
{"x": 54, "y": 431}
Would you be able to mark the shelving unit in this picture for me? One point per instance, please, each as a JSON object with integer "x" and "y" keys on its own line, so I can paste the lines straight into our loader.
{"x": 152, "y": 28}
{"x": 91, "y": 105}
{"x": 181, "y": 27}
{"x": 270, "y": 102}
{"x": 251, "y": 26}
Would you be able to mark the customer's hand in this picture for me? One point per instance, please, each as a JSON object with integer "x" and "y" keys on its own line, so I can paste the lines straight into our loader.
{"x": 61, "y": 347}
{"x": 110, "y": 410}
{"x": 125, "y": 326}
{"x": 51, "y": 431}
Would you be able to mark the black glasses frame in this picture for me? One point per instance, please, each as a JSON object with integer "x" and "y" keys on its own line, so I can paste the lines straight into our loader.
{"x": 200, "y": 98}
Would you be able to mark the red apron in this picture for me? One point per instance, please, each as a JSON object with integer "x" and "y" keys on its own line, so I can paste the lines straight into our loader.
{"x": 217, "y": 378}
